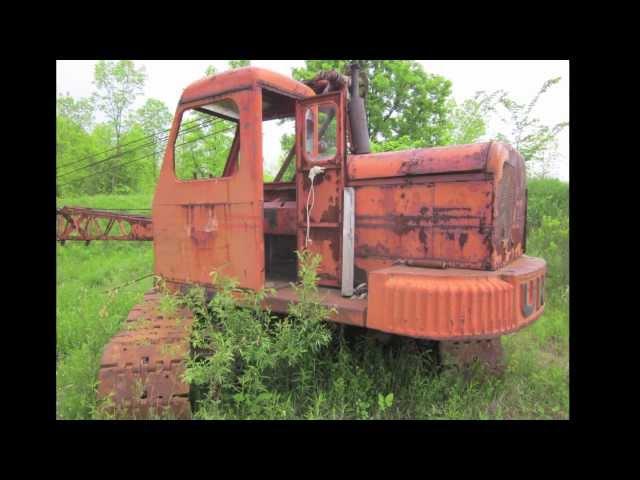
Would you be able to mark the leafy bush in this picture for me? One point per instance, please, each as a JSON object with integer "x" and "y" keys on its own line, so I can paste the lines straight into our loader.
{"x": 245, "y": 357}
{"x": 548, "y": 197}
{"x": 548, "y": 229}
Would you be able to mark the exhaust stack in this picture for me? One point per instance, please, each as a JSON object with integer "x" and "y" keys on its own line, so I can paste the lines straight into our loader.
{"x": 358, "y": 115}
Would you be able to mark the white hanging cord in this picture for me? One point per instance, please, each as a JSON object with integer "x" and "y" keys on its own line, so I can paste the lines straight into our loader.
{"x": 311, "y": 196}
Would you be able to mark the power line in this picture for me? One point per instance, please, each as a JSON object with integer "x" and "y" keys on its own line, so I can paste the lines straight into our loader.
{"x": 129, "y": 143}
{"x": 148, "y": 144}
{"x": 142, "y": 158}
{"x": 125, "y": 144}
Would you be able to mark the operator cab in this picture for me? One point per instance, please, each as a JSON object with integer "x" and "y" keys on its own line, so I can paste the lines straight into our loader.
{"x": 212, "y": 196}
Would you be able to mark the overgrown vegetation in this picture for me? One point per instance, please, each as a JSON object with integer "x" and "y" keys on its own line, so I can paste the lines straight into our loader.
{"x": 266, "y": 368}
{"x": 249, "y": 363}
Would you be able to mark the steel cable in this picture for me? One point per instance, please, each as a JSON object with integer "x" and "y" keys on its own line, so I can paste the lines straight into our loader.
{"x": 148, "y": 144}
{"x": 125, "y": 144}
{"x": 142, "y": 158}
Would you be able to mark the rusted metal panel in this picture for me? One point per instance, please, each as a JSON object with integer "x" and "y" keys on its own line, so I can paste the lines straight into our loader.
{"x": 347, "y": 311}
{"x": 208, "y": 224}
{"x": 454, "y": 303}
{"x": 444, "y": 221}
{"x": 463, "y": 205}
{"x": 325, "y": 218}
{"x": 243, "y": 78}
{"x": 280, "y": 218}
{"x": 422, "y": 161}
{"x": 86, "y": 224}
{"x": 527, "y": 276}
{"x": 509, "y": 205}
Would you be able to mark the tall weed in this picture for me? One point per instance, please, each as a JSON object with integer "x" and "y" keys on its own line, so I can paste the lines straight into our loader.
{"x": 245, "y": 358}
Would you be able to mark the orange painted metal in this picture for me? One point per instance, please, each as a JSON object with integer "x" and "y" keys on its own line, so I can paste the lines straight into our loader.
{"x": 348, "y": 311}
{"x": 422, "y": 161}
{"x": 461, "y": 209}
{"x": 325, "y": 218}
{"x": 218, "y": 223}
{"x": 456, "y": 304}
{"x": 463, "y": 205}
{"x": 244, "y": 79}
{"x": 280, "y": 217}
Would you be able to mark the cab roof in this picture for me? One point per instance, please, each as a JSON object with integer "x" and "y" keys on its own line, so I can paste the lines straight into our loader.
{"x": 241, "y": 78}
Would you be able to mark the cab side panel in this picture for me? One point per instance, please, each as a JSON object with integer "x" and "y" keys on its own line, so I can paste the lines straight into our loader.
{"x": 213, "y": 224}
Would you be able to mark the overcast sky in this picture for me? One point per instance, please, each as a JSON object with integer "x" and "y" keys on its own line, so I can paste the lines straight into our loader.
{"x": 521, "y": 79}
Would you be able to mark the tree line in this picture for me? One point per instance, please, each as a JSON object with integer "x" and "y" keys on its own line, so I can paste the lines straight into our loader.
{"x": 407, "y": 107}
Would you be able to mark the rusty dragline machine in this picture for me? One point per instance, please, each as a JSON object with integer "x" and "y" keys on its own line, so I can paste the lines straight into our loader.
{"x": 435, "y": 236}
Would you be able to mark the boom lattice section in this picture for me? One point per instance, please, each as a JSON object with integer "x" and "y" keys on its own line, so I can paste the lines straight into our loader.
{"x": 86, "y": 224}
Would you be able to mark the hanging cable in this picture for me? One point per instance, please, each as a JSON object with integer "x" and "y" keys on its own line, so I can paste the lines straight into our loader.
{"x": 311, "y": 196}
{"x": 142, "y": 158}
{"x": 126, "y": 144}
{"x": 149, "y": 144}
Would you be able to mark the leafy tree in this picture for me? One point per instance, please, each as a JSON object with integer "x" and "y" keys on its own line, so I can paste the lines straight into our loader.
{"x": 72, "y": 143}
{"x": 287, "y": 141}
{"x": 154, "y": 118}
{"x": 202, "y": 146}
{"x": 210, "y": 70}
{"x": 535, "y": 141}
{"x": 239, "y": 63}
{"x": 402, "y": 99}
{"x": 80, "y": 111}
{"x": 469, "y": 119}
{"x": 118, "y": 85}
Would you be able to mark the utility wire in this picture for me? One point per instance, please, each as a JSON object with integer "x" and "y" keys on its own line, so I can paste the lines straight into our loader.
{"x": 125, "y": 144}
{"x": 148, "y": 144}
{"x": 143, "y": 157}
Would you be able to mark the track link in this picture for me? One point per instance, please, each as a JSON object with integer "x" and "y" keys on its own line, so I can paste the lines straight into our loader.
{"x": 142, "y": 365}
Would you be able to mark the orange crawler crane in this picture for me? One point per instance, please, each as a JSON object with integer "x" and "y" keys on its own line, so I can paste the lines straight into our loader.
{"x": 434, "y": 236}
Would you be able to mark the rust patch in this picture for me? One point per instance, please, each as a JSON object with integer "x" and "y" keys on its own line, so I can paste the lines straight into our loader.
{"x": 326, "y": 234}
{"x": 331, "y": 214}
{"x": 401, "y": 224}
{"x": 462, "y": 239}
{"x": 379, "y": 250}
{"x": 424, "y": 239}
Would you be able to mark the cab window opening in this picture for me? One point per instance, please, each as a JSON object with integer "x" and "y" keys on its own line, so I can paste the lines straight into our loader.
{"x": 207, "y": 143}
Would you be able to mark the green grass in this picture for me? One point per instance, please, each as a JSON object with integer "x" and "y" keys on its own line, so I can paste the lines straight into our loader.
{"x": 108, "y": 201}
{"x": 87, "y": 316}
{"x": 346, "y": 380}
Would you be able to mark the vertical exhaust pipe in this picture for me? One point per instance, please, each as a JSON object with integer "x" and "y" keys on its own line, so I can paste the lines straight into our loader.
{"x": 358, "y": 115}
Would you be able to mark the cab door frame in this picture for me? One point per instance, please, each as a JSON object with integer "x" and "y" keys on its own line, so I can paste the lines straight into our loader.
{"x": 213, "y": 224}
{"x": 325, "y": 218}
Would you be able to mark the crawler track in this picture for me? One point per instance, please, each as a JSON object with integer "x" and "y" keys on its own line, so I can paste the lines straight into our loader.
{"x": 141, "y": 366}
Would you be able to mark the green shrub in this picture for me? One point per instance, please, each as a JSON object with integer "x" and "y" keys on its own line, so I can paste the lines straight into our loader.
{"x": 251, "y": 364}
{"x": 548, "y": 230}
{"x": 547, "y": 197}
{"x": 245, "y": 358}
